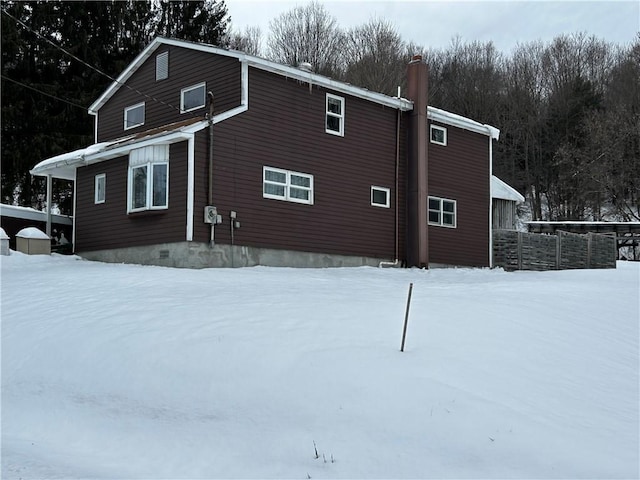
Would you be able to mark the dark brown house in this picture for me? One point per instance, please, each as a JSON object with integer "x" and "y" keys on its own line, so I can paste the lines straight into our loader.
{"x": 211, "y": 157}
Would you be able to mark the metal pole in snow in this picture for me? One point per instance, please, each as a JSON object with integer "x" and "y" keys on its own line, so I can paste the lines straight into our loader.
{"x": 406, "y": 318}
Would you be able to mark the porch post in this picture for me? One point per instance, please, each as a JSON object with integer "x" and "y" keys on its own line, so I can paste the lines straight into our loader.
{"x": 49, "y": 196}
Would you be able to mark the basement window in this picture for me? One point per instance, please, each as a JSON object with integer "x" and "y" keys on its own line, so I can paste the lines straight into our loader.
{"x": 335, "y": 115}
{"x": 442, "y": 212}
{"x": 438, "y": 135}
{"x": 100, "y": 188}
{"x": 134, "y": 116}
{"x": 162, "y": 66}
{"x": 287, "y": 185}
{"x": 192, "y": 98}
{"x": 148, "y": 183}
{"x": 380, "y": 196}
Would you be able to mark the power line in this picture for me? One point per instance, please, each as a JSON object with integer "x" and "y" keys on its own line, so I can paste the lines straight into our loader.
{"x": 150, "y": 97}
{"x": 43, "y": 93}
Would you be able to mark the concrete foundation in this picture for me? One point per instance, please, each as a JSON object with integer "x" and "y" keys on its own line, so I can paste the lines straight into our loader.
{"x": 201, "y": 255}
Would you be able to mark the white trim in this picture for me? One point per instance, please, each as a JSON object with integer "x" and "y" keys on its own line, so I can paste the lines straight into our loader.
{"x": 190, "y": 185}
{"x": 441, "y": 129}
{"x": 448, "y": 118}
{"x": 284, "y": 70}
{"x": 287, "y": 185}
{"x": 387, "y": 191}
{"x": 491, "y": 177}
{"x": 184, "y": 90}
{"x": 73, "y": 219}
{"x": 133, "y": 107}
{"x": 340, "y": 116}
{"x": 95, "y": 126}
{"x": 96, "y": 190}
{"x": 441, "y": 212}
{"x": 28, "y": 213}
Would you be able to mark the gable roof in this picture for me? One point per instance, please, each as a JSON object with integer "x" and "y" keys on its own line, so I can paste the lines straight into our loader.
{"x": 504, "y": 191}
{"x": 257, "y": 62}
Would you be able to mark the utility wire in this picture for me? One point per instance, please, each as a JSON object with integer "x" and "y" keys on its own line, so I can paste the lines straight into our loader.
{"x": 43, "y": 93}
{"x": 150, "y": 97}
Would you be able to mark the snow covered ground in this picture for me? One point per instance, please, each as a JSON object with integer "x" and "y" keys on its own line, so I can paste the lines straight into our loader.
{"x": 123, "y": 371}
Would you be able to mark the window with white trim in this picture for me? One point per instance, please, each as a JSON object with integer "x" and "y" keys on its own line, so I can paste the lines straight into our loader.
{"x": 380, "y": 196}
{"x": 162, "y": 66}
{"x": 134, "y": 116}
{"x": 148, "y": 185}
{"x": 286, "y": 185}
{"x": 100, "y": 188}
{"x": 335, "y": 115}
{"x": 193, "y": 97}
{"x": 442, "y": 212}
{"x": 438, "y": 135}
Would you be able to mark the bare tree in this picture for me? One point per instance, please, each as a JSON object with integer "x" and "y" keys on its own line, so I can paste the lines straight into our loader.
{"x": 248, "y": 40}
{"x": 374, "y": 57}
{"x": 307, "y": 34}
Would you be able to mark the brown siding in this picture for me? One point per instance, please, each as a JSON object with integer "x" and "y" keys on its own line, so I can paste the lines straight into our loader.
{"x": 285, "y": 128}
{"x": 460, "y": 171}
{"x": 108, "y": 225}
{"x": 186, "y": 67}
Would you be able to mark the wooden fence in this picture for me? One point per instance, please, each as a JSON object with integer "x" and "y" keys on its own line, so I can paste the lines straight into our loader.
{"x": 533, "y": 251}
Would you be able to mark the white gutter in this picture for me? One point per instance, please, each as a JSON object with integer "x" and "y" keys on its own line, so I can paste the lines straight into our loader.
{"x": 459, "y": 121}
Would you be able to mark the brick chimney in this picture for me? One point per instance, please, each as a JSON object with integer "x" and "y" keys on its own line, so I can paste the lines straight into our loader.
{"x": 417, "y": 171}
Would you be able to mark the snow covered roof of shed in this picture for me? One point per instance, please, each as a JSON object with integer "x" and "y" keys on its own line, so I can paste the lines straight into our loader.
{"x": 504, "y": 191}
{"x": 32, "y": 232}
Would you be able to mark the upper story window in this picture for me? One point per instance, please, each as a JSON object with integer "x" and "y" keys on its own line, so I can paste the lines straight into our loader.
{"x": 380, "y": 197}
{"x": 134, "y": 116}
{"x": 192, "y": 98}
{"x": 438, "y": 135}
{"x": 286, "y": 185}
{"x": 442, "y": 212}
{"x": 100, "y": 188}
{"x": 162, "y": 66}
{"x": 335, "y": 115}
{"x": 148, "y": 185}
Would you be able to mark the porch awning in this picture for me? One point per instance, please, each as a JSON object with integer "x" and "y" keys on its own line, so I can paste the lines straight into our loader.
{"x": 64, "y": 166}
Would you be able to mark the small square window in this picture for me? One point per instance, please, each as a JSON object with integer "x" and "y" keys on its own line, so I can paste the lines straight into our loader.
{"x": 192, "y": 98}
{"x": 335, "y": 115}
{"x": 442, "y": 212}
{"x": 134, "y": 116}
{"x": 438, "y": 135}
{"x": 100, "y": 188}
{"x": 380, "y": 197}
{"x": 162, "y": 66}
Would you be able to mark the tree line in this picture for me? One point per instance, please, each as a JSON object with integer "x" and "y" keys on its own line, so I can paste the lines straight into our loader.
{"x": 568, "y": 109}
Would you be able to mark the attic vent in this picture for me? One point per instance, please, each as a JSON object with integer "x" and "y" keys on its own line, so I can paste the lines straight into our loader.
{"x": 162, "y": 66}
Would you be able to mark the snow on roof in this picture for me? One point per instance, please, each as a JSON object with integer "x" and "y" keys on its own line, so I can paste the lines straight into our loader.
{"x": 456, "y": 120}
{"x": 504, "y": 191}
{"x": 28, "y": 213}
{"x": 64, "y": 166}
{"x": 3, "y": 234}
{"x": 33, "y": 233}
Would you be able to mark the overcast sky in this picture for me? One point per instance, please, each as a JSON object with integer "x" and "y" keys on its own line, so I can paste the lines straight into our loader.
{"x": 435, "y": 23}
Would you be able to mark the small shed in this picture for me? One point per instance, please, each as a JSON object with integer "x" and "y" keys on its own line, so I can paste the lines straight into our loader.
{"x": 4, "y": 242}
{"x": 32, "y": 241}
{"x": 504, "y": 201}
